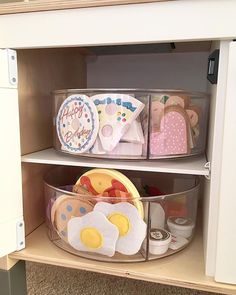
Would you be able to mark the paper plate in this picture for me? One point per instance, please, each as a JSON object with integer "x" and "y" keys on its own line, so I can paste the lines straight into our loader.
{"x": 117, "y": 113}
{"x": 77, "y": 124}
{"x": 65, "y": 208}
{"x": 99, "y": 180}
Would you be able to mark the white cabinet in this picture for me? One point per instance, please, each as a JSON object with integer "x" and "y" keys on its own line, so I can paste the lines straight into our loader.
{"x": 42, "y": 70}
{"x": 11, "y": 219}
{"x": 225, "y": 254}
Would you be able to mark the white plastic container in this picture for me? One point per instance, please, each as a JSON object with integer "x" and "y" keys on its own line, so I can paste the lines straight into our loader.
{"x": 181, "y": 226}
{"x": 159, "y": 241}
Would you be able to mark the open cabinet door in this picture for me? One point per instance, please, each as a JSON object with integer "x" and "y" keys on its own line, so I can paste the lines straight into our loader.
{"x": 11, "y": 214}
{"x": 226, "y": 238}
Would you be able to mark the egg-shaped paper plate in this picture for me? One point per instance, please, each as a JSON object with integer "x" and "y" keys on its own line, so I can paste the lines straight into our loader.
{"x": 107, "y": 181}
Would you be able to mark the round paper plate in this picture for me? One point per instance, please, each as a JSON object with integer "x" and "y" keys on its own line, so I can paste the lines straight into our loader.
{"x": 77, "y": 124}
{"x": 97, "y": 181}
{"x": 66, "y": 207}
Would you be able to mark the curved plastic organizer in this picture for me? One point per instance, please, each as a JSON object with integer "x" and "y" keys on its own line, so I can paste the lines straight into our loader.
{"x": 146, "y": 219}
{"x": 129, "y": 123}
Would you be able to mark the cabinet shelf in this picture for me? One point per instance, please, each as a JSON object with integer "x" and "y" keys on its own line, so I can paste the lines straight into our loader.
{"x": 184, "y": 269}
{"x": 191, "y": 165}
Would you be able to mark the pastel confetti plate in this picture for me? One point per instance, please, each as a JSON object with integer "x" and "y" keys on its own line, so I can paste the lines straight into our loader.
{"x": 98, "y": 181}
{"x": 116, "y": 114}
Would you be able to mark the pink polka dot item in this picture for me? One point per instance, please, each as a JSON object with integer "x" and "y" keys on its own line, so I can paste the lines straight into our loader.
{"x": 172, "y": 139}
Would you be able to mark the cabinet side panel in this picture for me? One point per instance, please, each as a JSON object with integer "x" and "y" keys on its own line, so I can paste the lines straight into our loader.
{"x": 33, "y": 195}
{"x": 10, "y": 173}
{"x": 10, "y": 161}
{"x": 5, "y": 61}
{"x": 40, "y": 72}
{"x": 9, "y": 241}
{"x": 226, "y": 241}
{"x": 214, "y": 150}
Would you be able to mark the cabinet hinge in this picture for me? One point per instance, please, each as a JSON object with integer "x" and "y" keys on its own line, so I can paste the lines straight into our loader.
{"x": 208, "y": 167}
{"x": 213, "y": 64}
{"x": 12, "y": 66}
{"x": 20, "y": 235}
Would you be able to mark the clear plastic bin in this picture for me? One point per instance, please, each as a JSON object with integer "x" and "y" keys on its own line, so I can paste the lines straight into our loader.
{"x": 178, "y": 124}
{"x": 149, "y": 218}
{"x": 101, "y": 123}
{"x": 130, "y": 124}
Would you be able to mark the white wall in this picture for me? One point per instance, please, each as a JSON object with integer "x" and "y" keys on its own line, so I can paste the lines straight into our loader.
{"x": 162, "y": 70}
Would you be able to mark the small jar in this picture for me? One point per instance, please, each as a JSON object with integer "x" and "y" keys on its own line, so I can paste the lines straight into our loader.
{"x": 159, "y": 241}
{"x": 181, "y": 226}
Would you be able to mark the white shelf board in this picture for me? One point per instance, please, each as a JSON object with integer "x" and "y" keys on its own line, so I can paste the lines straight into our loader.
{"x": 191, "y": 165}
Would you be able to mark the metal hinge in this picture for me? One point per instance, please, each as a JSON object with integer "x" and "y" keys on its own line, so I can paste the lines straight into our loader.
{"x": 12, "y": 66}
{"x": 208, "y": 167}
{"x": 213, "y": 64}
{"x": 20, "y": 235}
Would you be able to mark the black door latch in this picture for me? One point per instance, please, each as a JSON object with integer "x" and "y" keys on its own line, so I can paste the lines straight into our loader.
{"x": 213, "y": 63}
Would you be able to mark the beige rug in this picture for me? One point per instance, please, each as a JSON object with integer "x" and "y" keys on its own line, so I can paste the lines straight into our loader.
{"x": 50, "y": 280}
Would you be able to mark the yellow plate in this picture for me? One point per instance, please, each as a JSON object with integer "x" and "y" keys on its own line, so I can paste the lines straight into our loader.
{"x": 100, "y": 180}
